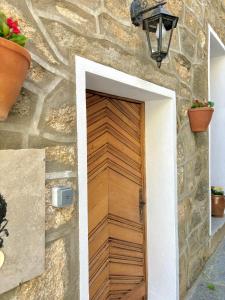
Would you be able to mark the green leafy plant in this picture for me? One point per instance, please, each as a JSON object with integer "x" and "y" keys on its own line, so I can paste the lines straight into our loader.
{"x": 198, "y": 103}
{"x": 217, "y": 191}
{"x": 211, "y": 286}
{"x": 9, "y": 30}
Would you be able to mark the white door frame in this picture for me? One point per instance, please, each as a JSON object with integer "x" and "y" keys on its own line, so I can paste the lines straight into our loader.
{"x": 161, "y": 173}
{"x": 211, "y": 33}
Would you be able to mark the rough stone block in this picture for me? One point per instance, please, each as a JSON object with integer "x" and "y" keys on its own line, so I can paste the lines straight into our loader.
{"x": 180, "y": 180}
{"x": 59, "y": 111}
{"x": 195, "y": 219}
{"x": 183, "y": 67}
{"x": 198, "y": 9}
{"x": 11, "y": 140}
{"x": 202, "y": 141}
{"x": 180, "y": 152}
{"x": 203, "y": 230}
{"x": 69, "y": 14}
{"x": 182, "y": 108}
{"x": 53, "y": 282}
{"x": 118, "y": 8}
{"x": 39, "y": 142}
{"x": 188, "y": 44}
{"x": 202, "y": 192}
{"x": 193, "y": 243}
{"x": 40, "y": 77}
{"x": 191, "y": 176}
{"x": 175, "y": 42}
{"x": 23, "y": 110}
{"x": 200, "y": 86}
{"x": 129, "y": 38}
{"x": 196, "y": 263}
{"x": 182, "y": 216}
{"x": 183, "y": 274}
{"x": 22, "y": 181}
{"x": 60, "y": 158}
{"x": 185, "y": 91}
{"x": 190, "y": 20}
{"x": 176, "y": 7}
{"x": 45, "y": 4}
{"x": 188, "y": 141}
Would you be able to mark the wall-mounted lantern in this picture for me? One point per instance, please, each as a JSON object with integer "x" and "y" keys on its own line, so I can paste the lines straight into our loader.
{"x": 158, "y": 24}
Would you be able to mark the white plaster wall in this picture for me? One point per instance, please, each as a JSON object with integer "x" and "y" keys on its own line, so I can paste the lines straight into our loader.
{"x": 217, "y": 157}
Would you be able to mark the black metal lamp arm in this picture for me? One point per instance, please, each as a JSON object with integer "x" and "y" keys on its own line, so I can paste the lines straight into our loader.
{"x": 138, "y": 8}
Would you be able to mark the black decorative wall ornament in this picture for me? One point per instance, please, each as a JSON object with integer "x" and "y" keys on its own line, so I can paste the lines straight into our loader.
{"x": 3, "y": 220}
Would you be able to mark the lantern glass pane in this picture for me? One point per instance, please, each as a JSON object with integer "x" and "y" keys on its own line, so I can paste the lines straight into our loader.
{"x": 167, "y": 29}
{"x": 165, "y": 39}
{"x": 151, "y": 27}
{"x": 154, "y": 42}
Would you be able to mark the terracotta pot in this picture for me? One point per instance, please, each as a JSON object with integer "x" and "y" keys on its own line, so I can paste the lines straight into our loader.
{"x": 218, "y": 206}
{"x": 15, "y": 62}
{"x": 200, "y": 118}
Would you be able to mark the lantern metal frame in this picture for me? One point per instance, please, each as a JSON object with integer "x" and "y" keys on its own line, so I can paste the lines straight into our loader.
{"x": 148, "y": 17}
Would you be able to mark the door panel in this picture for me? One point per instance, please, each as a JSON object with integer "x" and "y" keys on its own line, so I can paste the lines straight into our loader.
{"x": 115, "y": 178}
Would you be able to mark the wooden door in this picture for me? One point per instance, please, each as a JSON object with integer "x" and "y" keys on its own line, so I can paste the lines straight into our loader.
{"x": 116, "y": 198}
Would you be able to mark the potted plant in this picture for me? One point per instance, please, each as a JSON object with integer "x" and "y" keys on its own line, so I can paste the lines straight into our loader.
{"x": 217, "y": 201}
{"x": 15, "y": 62}
{"x": 200, "y": 115}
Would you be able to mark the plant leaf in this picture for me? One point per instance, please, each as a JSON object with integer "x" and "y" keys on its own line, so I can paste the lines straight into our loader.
{"x": 211, "y": 104}
{"x": 19, "y": 39}
{"x": 211, "y": 286}
{"x": 5, "y": 29}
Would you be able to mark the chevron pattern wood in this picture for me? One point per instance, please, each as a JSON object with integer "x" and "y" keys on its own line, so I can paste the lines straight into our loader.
{"x": 115, "y": 178}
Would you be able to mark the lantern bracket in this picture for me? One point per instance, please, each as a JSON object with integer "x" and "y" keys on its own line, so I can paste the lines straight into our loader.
{"x": 140, "y": 7}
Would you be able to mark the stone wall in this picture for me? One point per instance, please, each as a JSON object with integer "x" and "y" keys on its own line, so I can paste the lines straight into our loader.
{"x": 44, "y": 116}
